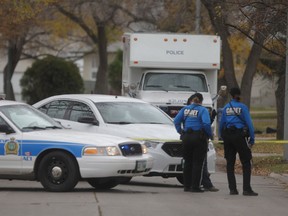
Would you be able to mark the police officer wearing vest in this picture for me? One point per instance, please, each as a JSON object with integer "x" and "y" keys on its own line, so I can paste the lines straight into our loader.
{"x": 237, "y": 131}
{"x": 195, "y": 133}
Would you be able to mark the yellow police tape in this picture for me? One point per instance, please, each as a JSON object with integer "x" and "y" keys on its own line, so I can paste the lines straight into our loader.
{"x": 215, "y": 141}
{"x": 267, "y": 141}
{"x": 259, "y": 141}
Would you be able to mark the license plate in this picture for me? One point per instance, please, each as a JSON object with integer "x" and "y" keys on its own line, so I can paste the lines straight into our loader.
{"x": 140, "y": 166}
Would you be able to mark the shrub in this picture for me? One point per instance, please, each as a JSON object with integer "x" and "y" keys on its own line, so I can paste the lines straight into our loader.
{"x": 50, "y": 76}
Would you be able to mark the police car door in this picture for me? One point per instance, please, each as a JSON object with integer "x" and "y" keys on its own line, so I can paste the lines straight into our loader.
{"x": 10, "y": 149}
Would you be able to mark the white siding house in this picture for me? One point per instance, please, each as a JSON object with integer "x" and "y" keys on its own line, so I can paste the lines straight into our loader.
{"x": 18, "y": 73}
{"x": 263, "y": 92}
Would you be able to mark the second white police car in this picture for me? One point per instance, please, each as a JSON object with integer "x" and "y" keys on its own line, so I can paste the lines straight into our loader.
{"x": 126, "y": 117}
{"x": 35, "y": 147}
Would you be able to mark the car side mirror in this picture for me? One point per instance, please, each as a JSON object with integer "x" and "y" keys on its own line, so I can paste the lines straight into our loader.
{"x": 6, "y": 129}
{"x": 88, "y": 120}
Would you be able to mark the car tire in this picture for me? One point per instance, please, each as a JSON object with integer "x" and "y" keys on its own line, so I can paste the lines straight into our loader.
{"x": 103, "y": 183}
{"x": 58, "y": 172}
{"x": 180, "y": 179}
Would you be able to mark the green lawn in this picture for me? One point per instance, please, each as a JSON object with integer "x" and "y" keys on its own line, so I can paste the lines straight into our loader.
{"x": 271, "y": 161}
{"x": 273, "y": 153}
{"x": 263, "y": 118}
{"x": 269, "y": 164}
{"x": 262, "y": 124}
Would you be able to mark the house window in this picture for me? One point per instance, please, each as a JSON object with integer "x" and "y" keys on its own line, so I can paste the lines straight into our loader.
{"x": 94, "y": 62}
{"x": 93, "y": 75}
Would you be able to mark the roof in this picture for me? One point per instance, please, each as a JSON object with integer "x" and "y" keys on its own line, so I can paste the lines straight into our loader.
{"x": 8, "y": 102}
{"x": 100, "y": 98}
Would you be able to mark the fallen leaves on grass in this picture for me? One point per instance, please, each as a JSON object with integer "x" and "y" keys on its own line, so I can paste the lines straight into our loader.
{"x": 261, "y": 166}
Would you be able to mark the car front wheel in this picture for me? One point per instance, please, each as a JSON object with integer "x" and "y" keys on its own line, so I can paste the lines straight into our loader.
{"x": 103, "y": 183}
{"x": 58, "y": 172}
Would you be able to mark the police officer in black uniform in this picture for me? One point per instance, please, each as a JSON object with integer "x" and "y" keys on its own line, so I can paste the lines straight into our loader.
{"x": 206, "y": 181}
{"x": 237, "y": 131}
{"x": 197, "y": 129}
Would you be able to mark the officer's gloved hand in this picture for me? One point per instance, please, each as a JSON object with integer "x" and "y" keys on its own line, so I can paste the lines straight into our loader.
{"x": 250, "y": 143}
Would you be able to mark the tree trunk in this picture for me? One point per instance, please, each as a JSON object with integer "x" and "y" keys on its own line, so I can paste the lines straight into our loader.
{"x": 280, "y": 103}
{"x": 218, "y": 22}
{"x": 228, "y": 63}
{"x": 101, "y": 85}
{"x": 14, "y": 52}
{"x": 251, "y": 68}
{"x": 8, "y": 73}
{"x": 280, "y": 94}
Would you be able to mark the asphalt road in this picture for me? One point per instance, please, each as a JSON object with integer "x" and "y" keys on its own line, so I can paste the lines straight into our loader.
{"x": 144, "y": 196}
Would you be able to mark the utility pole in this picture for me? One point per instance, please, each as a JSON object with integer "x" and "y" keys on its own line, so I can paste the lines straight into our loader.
{"x": 286, "y": 97}
{"x": 198, "y": 16}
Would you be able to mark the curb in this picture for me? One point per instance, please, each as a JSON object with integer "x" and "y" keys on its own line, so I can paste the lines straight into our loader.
{"x": 281, "y": 177}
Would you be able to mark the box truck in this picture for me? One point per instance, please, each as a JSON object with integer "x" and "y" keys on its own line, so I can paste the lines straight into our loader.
{"x": 165, "y": 69}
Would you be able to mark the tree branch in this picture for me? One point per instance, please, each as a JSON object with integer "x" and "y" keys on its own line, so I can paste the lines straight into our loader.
{"x": 78, "y": 21}
{"x": 252, "y": 39}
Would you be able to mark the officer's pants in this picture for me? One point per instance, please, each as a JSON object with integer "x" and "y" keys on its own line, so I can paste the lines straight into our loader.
{"x": 234, "y": 143}
{"x": 206, "y": 181}
{"x": 195, "y": 149}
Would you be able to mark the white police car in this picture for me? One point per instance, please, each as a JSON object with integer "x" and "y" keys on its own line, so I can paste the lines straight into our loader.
{"x": 125, "y": 117}
{"x": 35, "y": 147}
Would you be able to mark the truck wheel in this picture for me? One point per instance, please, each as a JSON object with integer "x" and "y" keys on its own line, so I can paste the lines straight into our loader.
{"x": 103, "y": 183}
{"x": 180, "y": 179}
{"x": 58, "y": 172}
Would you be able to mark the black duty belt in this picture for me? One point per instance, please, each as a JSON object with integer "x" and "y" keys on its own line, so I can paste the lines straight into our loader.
{"x": 234, "y": 129}
{"x": 190, "y": 131}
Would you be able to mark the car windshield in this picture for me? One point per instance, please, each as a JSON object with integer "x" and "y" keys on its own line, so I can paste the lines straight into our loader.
{"x": 27, "y": 118}
{"x": 131, "y": 113}
{"x": 175, "y": 82}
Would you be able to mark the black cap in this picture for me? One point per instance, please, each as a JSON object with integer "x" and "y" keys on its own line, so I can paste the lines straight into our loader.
{"x": 235, "y": 91}
{"x": 198, "y": 95}
{"x": 189, "y": 100}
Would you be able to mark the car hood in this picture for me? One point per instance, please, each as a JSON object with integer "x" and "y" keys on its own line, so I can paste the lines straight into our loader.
{"x": 66, "y": 135}
{"x": 143, "y": 131}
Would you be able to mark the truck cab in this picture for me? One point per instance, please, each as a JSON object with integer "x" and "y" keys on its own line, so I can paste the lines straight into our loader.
{"x": 170, "y": 89}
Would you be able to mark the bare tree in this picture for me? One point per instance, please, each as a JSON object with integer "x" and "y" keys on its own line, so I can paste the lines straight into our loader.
{"x": 18, "y": 21}
{"x": 95, "y": 18}
{"x": 12, "y": 40}
{"x": 262, "y": 22}
{"x": 257, "y": 21}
